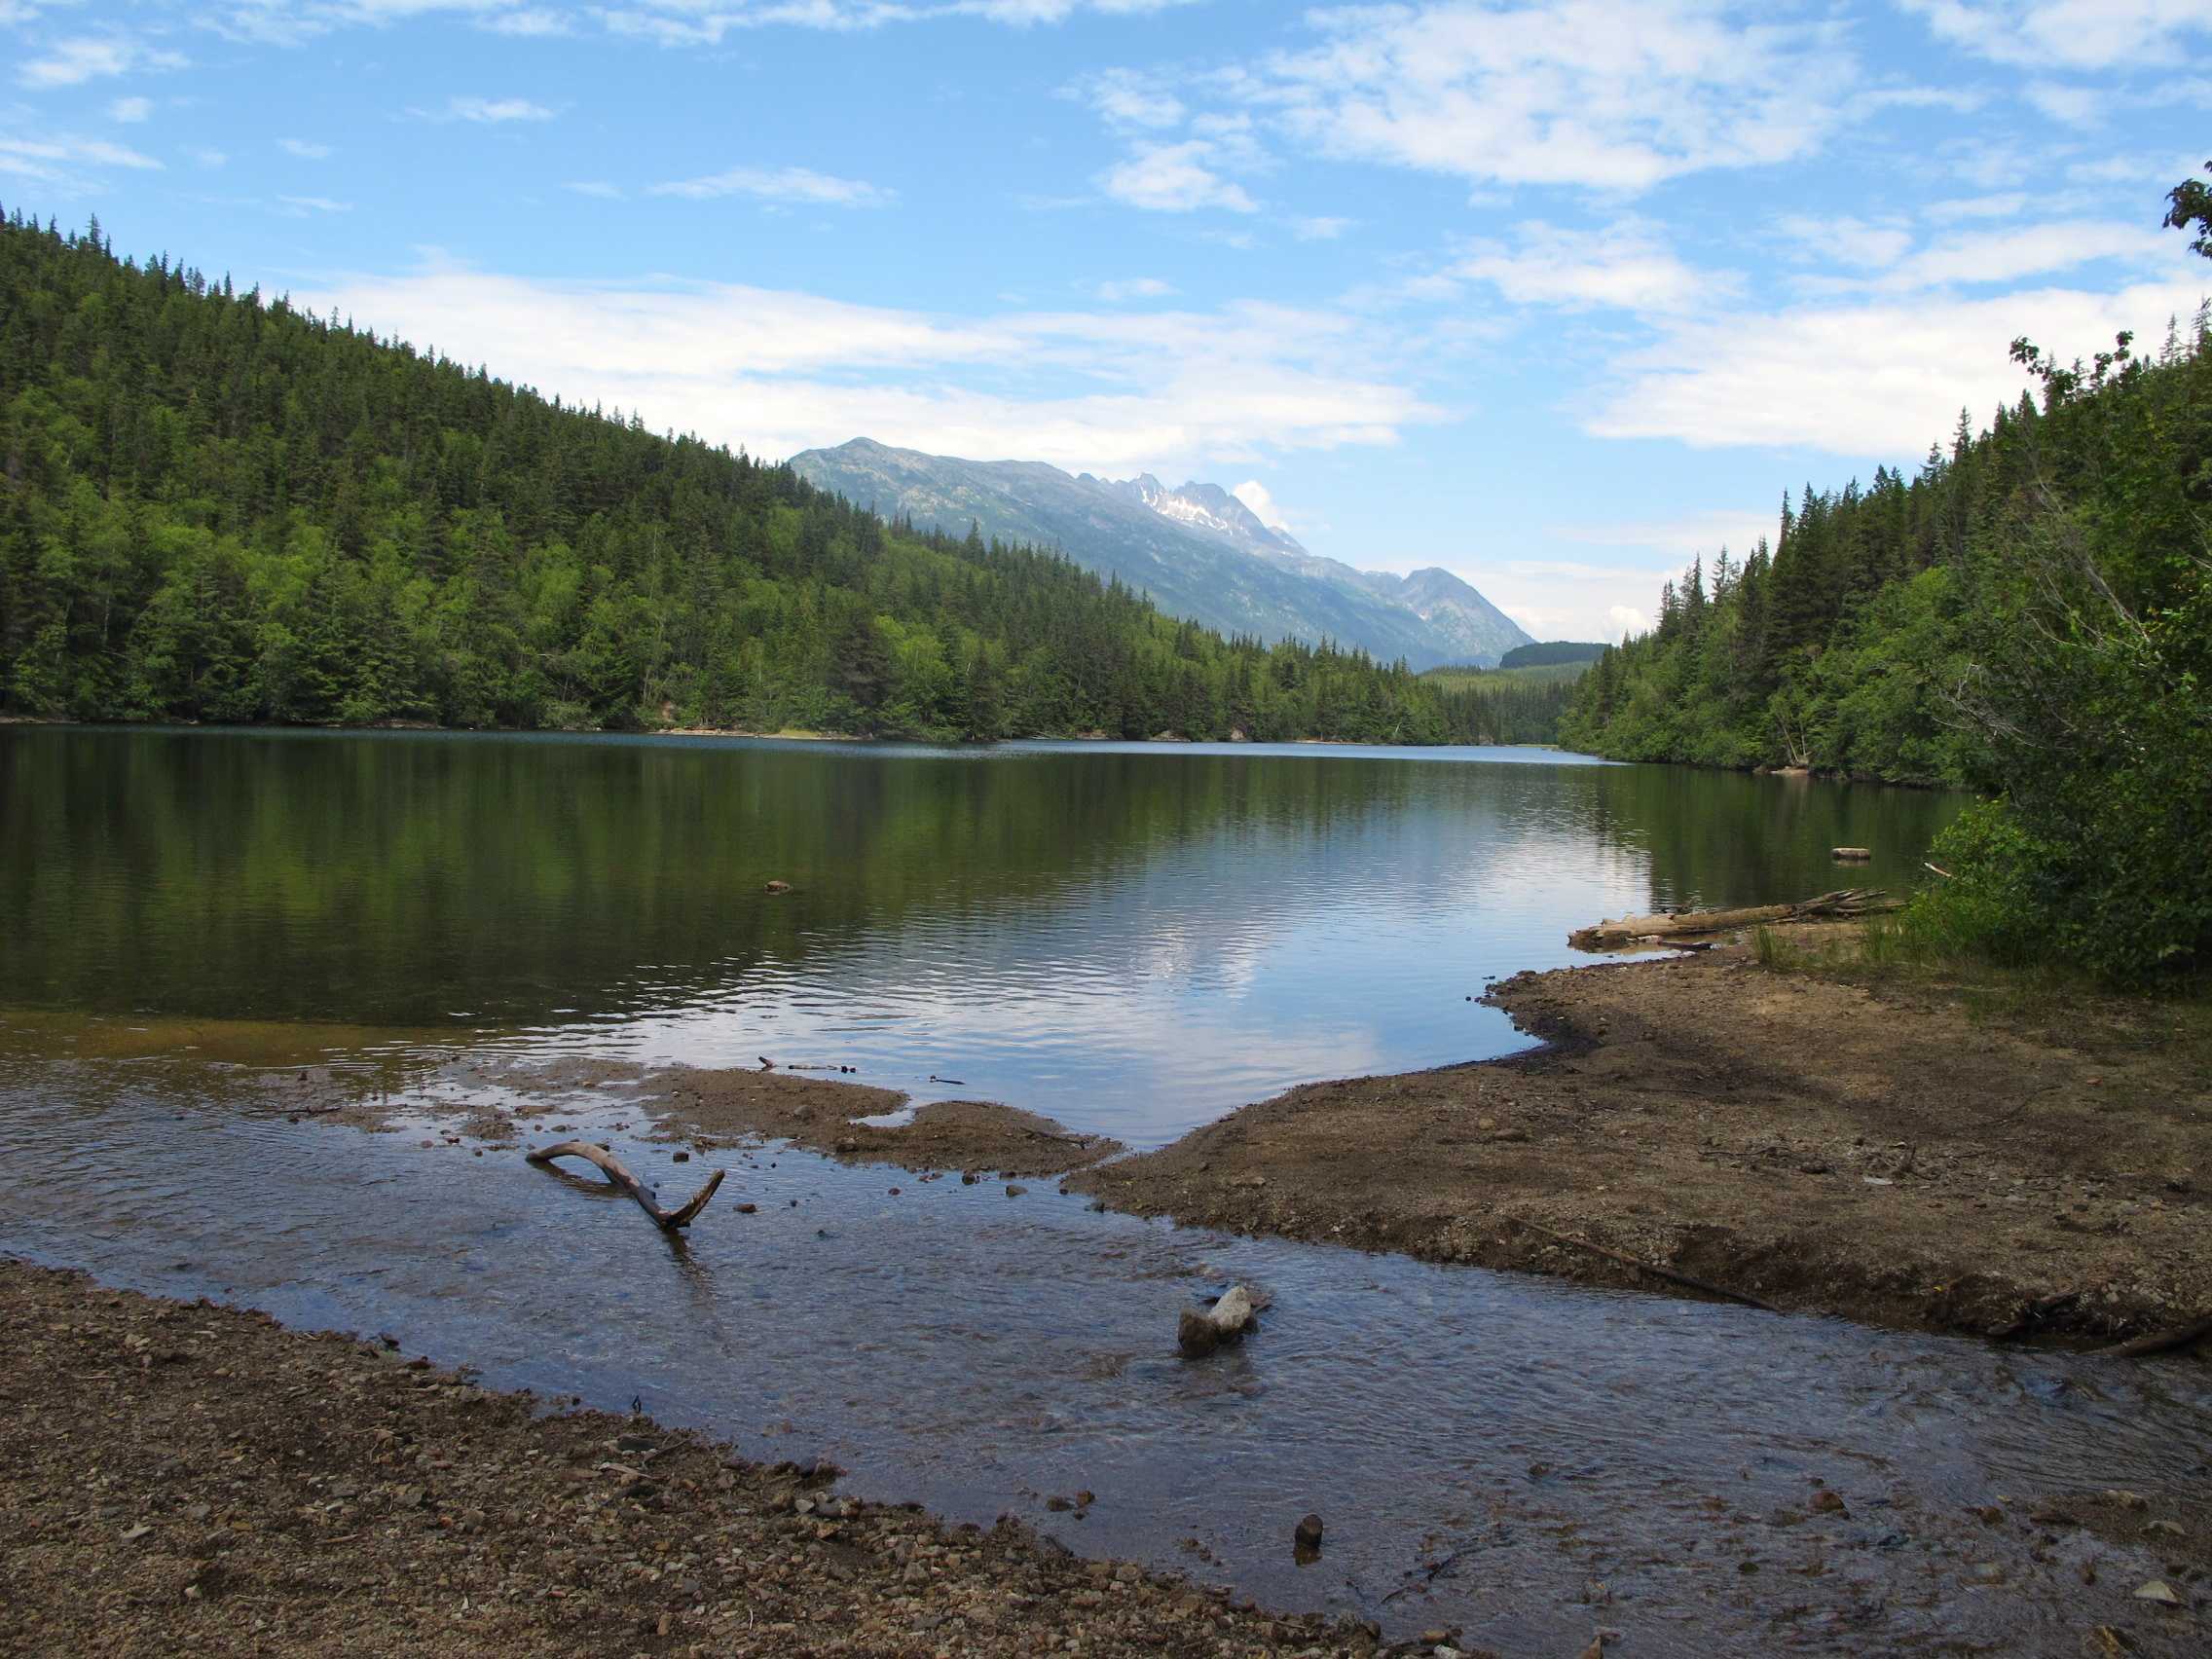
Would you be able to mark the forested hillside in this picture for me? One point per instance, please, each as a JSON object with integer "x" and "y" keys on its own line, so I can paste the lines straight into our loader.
{"x": 214, "y": 507}
{"x": 2029, "y": 615}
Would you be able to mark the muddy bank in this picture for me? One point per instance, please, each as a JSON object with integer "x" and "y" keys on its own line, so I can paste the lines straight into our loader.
{"x": 190, "y": 1476}
{"x": 506, "y": 1104}
{"x": 978, "y": 1136}
{"x": 1808, "y": 1142}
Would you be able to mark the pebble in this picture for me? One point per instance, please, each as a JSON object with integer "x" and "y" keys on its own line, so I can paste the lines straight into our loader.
{"x": 2163, "y": 1592}
{"x": 1308, "y": 1534}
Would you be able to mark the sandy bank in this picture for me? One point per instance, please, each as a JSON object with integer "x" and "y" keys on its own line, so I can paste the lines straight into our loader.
{"x": 1810, "y": 1142}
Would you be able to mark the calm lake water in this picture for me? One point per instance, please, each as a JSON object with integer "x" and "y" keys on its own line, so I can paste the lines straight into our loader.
{"x": 1130, "y": 938}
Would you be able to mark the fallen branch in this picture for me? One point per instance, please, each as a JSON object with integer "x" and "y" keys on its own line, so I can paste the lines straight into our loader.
{"x": 668, "y": 1220}
{"x": 2165, "y": 1342}
{"x": 1845, "y": 902}
{"x": 1654, "y": 1270}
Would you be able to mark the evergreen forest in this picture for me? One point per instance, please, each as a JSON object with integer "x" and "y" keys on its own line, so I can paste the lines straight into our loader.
{"x": 215, "y": 507}
{"x": 2029, "y": 615}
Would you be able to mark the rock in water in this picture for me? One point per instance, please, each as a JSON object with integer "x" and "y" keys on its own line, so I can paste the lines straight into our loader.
{"x": 1308, "y": 1534}
{"x": 1197, "y": 1334}
{"x": 777, "y": 887}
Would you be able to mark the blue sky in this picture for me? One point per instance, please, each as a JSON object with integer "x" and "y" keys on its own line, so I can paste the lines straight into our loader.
{"x": 1553, "y": 293}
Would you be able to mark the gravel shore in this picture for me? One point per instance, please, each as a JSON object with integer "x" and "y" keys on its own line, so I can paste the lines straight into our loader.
{"x": 192, "y": 1478}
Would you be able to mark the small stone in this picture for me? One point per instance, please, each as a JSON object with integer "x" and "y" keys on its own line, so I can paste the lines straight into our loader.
{"x": 1828, "y": 1503}
{"x": 1058, "y": 1505}
{"x": 2163, "y": 1592}
{"x": 1014, "y": 1190}
{"x": 1308, "y": 1534}
{"x": 134, "y": 1533}
{"x": 777, "y": 887}
{"x": 682, "y": 1158}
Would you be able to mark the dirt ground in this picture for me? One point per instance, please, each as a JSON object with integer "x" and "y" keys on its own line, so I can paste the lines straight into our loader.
{"x": 1872, "y": 1151}
{"x": 189, "y": 1478}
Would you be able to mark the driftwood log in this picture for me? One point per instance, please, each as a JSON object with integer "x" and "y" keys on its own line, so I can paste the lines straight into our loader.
{"x": 1851, "y": 855}
{"x": 1845, "y": 902}
{"x": 668, "y": 1220}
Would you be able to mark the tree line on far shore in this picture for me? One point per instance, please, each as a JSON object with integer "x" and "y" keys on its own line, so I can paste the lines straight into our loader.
{"x": 216, "y": 508}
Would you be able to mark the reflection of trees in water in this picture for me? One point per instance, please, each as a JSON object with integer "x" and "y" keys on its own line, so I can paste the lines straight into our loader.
{"x": 408, "y": 878}
{"x": 1717, "y": 837}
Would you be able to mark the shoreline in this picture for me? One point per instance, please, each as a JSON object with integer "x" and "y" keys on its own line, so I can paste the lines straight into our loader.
{"x": 195, "y": 1475}
{"x": 1703, "y": 1124}
{"x": 1687, "y": 1125}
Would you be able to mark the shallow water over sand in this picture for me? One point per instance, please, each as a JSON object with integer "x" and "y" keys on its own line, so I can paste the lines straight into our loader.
{"x": 1528, "y": 1460}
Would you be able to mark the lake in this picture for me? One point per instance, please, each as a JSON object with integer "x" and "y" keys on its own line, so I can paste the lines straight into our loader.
{"x": 1132, "y": 939}
{"x": 1129, "y": 939}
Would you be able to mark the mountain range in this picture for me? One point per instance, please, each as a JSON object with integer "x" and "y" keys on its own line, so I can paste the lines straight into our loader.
{"x": 1199, "y": 551}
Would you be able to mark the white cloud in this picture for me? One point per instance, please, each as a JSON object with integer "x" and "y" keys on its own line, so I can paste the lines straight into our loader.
{"x": 708, "y": 22}
{"x": 1106, "y": 391}
{"x": 304, "y": 149}
{"x": 1623, "y": 268}
{"x": 486, "y": 111}
{"x": 53, "y": 158}
{"x": 1881, "y": 381}
{"x": 79, "y": 58}
{"x": 130, "y": 111}
{"x": 208, "y": 157}
{"x": 1175, "y": 178}
{"x": 780, "y": 184}
{"x": 1616, "y": 93}
{"x": 1845, "y": 239}
{"x": 595, "y": 187}
{"x": 1114, "y": 292}
{"x": 530, "y": 25}
{"x": 301, "y": 205}
{"x": 1264, "y": 507}
{"x": 1321, "y": 228}
{"x": 2072, "y": 105}
{"x": 2006, "y": 205}
{"x": 1131, "y": 101}
{"x": 1986, "y": 257}
{"x": 2074, "y": 34}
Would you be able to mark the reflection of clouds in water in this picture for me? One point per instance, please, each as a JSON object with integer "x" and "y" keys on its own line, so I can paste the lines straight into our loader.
{"x": 1136, "y": 938}
{"x": 1250, "y": 953}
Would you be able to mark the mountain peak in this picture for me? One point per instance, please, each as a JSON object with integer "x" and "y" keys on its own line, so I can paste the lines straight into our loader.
{"x": 1199, "y": 551}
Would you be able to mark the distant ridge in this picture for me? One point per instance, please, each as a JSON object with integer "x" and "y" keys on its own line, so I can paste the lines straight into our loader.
{"x": 1197, "y": 550}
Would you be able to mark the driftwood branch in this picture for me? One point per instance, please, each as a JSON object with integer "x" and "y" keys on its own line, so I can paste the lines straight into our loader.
{"x": 2165, "y": 1342}
{"x": 668, "y": 1220}
{"x": 1844, "y": 902}
{"x": 1654, "y": 1268}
